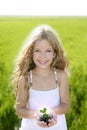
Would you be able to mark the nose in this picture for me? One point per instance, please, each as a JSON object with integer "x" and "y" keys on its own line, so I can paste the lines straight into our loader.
{"x": 42, "y": 54}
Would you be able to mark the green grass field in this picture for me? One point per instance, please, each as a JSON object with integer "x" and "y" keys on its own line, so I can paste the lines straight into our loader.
{"x": 73, "y": 33}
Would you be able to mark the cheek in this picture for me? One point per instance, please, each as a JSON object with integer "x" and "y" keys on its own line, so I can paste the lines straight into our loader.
{"x": 51, "y": 57}
{"x": 35, "y": 57}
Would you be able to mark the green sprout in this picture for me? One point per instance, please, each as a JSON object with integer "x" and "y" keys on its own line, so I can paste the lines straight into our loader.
{"x": 45, "y": 117}
{"x": 44, "y": 113}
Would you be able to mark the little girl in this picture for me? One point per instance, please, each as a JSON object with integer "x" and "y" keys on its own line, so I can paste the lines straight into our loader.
{"x": 41, "y": 81}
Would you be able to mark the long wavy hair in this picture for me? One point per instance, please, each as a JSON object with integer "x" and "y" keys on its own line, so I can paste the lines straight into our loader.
{"x": 24, "y": 62}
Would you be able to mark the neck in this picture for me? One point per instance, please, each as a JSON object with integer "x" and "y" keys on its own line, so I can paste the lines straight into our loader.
{"x": 43, "y": 72}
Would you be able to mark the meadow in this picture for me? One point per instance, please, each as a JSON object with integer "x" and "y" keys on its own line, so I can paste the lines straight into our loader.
{"x": 73, "y": 33}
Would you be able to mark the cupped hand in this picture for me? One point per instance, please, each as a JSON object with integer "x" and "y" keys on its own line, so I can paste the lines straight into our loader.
{"x": 51, "y": 122}
{"x": 42, "y": 124}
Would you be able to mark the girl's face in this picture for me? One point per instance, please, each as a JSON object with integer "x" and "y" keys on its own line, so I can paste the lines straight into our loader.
{"x": 43, "y": 54}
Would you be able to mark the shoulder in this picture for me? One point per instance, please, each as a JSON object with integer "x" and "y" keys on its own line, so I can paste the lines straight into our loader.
{"x": 62, "y": 75}
{"x": 22, "y": 80}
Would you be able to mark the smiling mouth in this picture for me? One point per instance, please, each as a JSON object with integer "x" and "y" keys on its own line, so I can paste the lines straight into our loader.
{"x": 42, "y": 62}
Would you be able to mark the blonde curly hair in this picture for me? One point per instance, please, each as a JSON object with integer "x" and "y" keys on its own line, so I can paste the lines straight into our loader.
{"x": 24, "y": 62}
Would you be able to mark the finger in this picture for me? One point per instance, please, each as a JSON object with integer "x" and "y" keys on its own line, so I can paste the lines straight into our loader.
{"x": 52, "y": 122}
{"x": 42, "y": 124}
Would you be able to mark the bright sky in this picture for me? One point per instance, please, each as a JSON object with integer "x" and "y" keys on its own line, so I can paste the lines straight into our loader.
{"x": 44, "y": 7}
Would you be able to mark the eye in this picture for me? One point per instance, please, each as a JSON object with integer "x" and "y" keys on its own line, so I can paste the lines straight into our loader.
{"x": 37, "y": 50}
{"x": 49, "y": 51}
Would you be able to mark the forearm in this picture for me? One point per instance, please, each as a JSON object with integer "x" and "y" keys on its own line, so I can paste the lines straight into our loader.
{"x": 63, "y": 108}
{"x": 25, "y": 113}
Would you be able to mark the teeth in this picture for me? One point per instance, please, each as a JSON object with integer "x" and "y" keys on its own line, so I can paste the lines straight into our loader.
{"x": 42, "y": 62}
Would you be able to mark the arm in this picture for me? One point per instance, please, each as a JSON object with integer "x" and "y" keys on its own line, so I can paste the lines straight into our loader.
{"x": 21, "y": 101}
{"x": 64, "y": 94}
